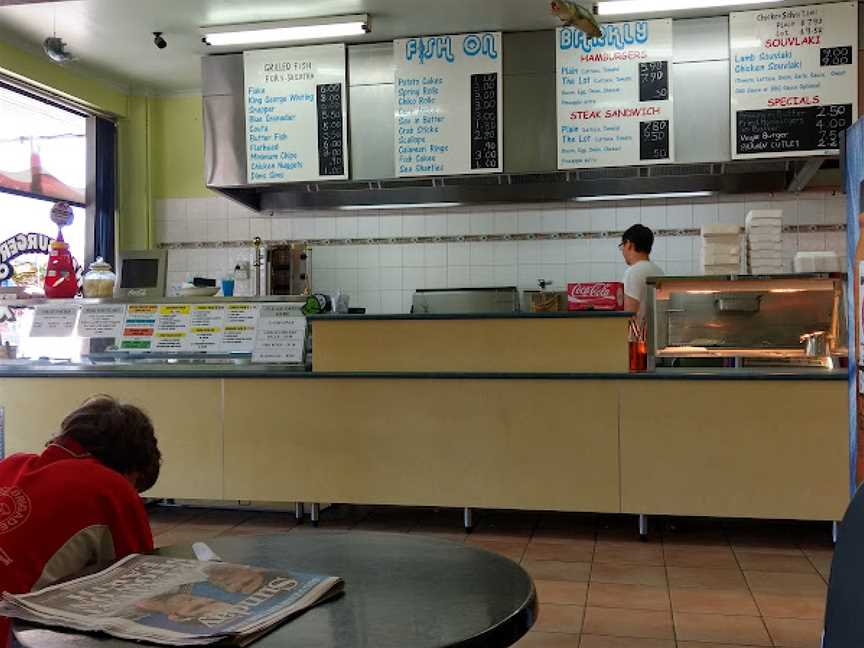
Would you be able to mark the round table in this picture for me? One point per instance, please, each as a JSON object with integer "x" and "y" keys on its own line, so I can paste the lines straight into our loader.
{"x": 400, "y": 591}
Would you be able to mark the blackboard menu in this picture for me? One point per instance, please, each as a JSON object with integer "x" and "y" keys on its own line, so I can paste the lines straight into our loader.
{"x": 794, "y": 74}
{"x": 654, "y": 81}
{"x": 447, "y": 104}
{"x": 782, "y": 130}
{"x": 331, "y": 127}
{"x": 484, "y": 121}
{"x": 296, "y": 119}
{"x": 654, "y": 140}
{"x": 615, "y": 95}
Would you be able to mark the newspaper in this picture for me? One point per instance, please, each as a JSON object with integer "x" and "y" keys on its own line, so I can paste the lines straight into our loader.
{"x": 173, "y": 601}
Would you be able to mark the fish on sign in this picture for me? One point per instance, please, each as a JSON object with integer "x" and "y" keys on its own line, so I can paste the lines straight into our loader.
{"x": 574, "y": 15}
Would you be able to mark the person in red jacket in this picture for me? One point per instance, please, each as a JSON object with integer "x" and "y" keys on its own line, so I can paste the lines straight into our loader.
{"x": 77, "y": 504}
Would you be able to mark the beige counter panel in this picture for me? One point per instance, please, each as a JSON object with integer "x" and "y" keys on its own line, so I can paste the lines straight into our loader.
{"x": 735, "y": 449}
{"x": 483, "y": 443}
{"x": 186, "y": 415}
{"x": 542, "y": 345}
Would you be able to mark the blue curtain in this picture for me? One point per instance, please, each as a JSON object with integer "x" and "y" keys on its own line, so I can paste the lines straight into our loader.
{"x": 106, "y": 189}
{"x": 853, "y": 160}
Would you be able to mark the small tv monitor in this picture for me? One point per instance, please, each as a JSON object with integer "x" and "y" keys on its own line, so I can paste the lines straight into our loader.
{"x": 141, "y": 273}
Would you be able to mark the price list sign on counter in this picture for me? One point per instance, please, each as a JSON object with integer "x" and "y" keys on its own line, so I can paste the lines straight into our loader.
{"x": 448, "y": 106}
{"x": 615, "y": 95}
{"x": 206, "y": 328}
{"x": 296, "y": 114}
{"x": 281, "y": 334}
{"x": 794, "y": 76}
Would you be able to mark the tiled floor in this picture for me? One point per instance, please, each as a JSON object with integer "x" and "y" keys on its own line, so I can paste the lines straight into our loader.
{"x": 695, "y": 584}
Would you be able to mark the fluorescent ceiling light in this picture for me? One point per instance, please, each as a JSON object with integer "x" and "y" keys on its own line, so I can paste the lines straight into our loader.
{"x": 432, "y": 205}
{"x": 630, "y": 7}
{"x": 286, "y": 31}
{"x": 647, "y": 196}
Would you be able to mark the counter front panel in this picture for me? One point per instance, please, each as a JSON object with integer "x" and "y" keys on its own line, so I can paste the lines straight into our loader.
{"x": 735, "y": 449}
{"x": 529, "y": 444}
{"x": 574, "y": 343}
{"x": 186, "y": 414}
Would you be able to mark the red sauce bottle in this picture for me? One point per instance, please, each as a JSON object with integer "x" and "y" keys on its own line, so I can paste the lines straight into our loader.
{"x": 60, "y": 279}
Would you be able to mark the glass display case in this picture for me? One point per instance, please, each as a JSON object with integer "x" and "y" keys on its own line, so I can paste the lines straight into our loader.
{"x": 748, "y": 320}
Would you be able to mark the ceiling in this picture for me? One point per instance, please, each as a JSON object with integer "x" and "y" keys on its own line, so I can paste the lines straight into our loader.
{"x": 114, "y": 42}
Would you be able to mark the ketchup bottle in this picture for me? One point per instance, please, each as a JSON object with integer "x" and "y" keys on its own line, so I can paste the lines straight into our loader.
{"x": 60, "y": 279}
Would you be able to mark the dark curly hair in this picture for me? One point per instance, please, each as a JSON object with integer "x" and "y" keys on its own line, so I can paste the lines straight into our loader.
{"x": 118, "y": 435}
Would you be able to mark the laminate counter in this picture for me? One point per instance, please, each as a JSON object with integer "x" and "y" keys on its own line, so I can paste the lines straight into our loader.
{"x": 765, "y": 444}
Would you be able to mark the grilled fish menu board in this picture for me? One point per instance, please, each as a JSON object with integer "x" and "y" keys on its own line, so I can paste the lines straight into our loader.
{"x": 296, "y": 114}
{"x": 794, "y": 79}
{"x": 448, "y": 104}
{"x": 615, "y": 95}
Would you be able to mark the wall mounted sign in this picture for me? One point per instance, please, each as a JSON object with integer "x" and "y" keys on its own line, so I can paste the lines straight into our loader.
{"x": 296, "y": 114}
{"x": 448, "y": 105}
{"x": 615, "y": 95}
{"x": 794, "y": 75}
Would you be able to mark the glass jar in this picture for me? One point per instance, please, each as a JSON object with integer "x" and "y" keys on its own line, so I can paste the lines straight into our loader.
{"x": 99, "y": 280}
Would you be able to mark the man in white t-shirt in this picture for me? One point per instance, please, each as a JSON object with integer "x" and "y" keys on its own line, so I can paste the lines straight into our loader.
{"x": 636, "y": 244}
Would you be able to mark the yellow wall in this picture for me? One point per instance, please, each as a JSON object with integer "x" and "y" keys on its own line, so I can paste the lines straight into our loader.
{"x": 177, "y": 140}
{"x": 160, "y": 140}
{"x": 39, "y": 71}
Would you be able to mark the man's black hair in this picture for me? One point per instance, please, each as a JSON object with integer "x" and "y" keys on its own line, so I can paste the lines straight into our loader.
{"x": 641, "y": 237}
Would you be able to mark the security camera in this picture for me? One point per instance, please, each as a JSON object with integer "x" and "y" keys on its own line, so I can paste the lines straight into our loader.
{"x": 158, "y": 41}
{"x": 55, "y": 49}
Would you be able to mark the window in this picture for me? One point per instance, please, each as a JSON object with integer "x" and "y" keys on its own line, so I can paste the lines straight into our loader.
{"x": 43, "y": 159}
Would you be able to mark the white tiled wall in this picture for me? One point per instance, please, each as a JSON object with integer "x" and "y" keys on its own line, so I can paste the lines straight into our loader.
{"x": 382, "y": 277}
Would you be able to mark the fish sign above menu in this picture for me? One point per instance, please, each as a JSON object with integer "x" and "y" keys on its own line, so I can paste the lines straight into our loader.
{"x": 448, "y": 104}
{"x": 296, "y": 114}
{"x": 794, "y": 79}
{"x": 615, "y": 95}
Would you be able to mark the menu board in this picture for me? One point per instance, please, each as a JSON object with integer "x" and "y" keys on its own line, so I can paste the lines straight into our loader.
{"x": 139, "y": 328}
{"x": 615, "y": 95}
{"x": 206, "y": 328}
{"x": 794, "y": 75}
{"x": 54, "y": 320}
{"x": 101, "y": 320}
{"x": 241, "y": 322}
{"x": 296, "y": 114}
{"x": 172, "y": 328}
{"x": 448, "y": 104}
{"x": 281, "y": 334}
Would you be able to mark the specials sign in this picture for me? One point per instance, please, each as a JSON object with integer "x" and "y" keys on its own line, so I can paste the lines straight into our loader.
{"x": 794, "y": 75}
{"x": 615, "y": 95}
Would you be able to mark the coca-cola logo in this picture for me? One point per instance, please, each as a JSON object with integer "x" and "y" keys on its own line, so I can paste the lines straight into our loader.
{"x": 591, "y": 290}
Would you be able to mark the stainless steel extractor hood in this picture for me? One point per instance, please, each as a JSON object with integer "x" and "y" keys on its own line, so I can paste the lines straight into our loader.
{"x": 702, "y": 135}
